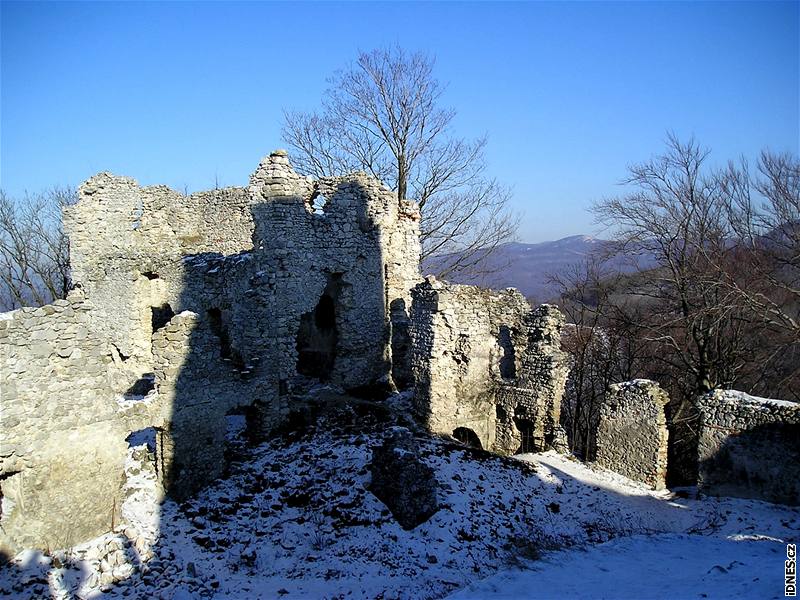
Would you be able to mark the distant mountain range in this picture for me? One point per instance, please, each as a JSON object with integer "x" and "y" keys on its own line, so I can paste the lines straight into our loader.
{"x": 527, "y": 267}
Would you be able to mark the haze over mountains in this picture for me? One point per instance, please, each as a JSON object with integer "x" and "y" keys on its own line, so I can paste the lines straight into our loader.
{"x": 528, "y": 267}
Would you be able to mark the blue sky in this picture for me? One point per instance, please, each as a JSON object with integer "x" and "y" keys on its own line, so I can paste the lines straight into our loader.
{"x": 569, "y": 93}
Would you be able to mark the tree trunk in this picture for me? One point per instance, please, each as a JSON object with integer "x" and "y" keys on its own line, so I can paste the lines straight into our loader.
{"x": 402, "y": 177}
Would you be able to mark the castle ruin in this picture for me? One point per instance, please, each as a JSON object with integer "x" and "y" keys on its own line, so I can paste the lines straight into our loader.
{"x": 186, "y": 309}
{"x": 240, "y": 301}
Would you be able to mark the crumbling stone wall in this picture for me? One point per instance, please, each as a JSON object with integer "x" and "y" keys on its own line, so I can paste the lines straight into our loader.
{"x": 123, "y": 237}
{"x": 366, "y": 245}
{"x": 62, "y": 431}
{"x": 253, "y": 266}
{"x": 749, "y": 447}
{"x": 188, "y": 308}
{"x": 632, "y": 432}
{"x": 487, "y": 362}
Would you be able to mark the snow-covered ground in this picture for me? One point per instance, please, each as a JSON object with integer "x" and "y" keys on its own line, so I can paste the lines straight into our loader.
{"x": 296, "y": 520}
{"x": 659, "y": 566}
{"x": 736, "y": 551}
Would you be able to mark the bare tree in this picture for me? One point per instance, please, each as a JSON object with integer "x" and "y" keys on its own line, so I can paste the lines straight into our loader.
{"x": 590, "y": 347}
{"x": 764, "y": 212}
{"x": 34, "y": 251}
{"x": 711, "y": 298}
{"x": 676, "y": 218}
{"x": 761, "y": 269}
{"x": 382, "y": 116}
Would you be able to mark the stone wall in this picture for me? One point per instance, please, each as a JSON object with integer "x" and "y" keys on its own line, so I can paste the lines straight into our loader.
{"x": 260, "y": 269}
{"x": 632, "y": 432}
{"x": 62, "y": 439}
{"x": 485, "y": 362}
{"x": 123, "y": 237}
{"x": 749, "y": 447}
{"x": 186, "y": 309}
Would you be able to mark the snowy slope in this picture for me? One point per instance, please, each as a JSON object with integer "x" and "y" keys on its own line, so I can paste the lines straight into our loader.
{"x": 296, "y": 520}
{"x": 733, "y": 554}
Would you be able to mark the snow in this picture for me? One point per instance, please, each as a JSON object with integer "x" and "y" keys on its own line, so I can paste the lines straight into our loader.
{"x": 295, "y": 518}
{"x": 126, "y": 401}
{"x": 662, "y": 566}
{"x": 737, "y": 397}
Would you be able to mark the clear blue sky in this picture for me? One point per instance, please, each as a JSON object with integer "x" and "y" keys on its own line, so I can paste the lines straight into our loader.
{"x": 568, "y": 92}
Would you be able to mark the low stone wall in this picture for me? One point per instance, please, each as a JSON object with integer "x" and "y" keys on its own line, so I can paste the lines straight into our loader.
{"x": 749, "y": 447}
{"x": 487, "y": 363}
{"x": 632, "y": 432}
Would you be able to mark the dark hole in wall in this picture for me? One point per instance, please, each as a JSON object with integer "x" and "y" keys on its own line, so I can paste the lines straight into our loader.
{"x": 161, "y": 315}
{"x": 508, "y": 363}
{"x": 467, "y": 437}
{"x": 318, "y": 336}
{"x": 244, "y": 426}
{"x": 236, "y": 435}
{"x": 150, "y": 275}
{"x": 683, "y": 426}
{"x": 218, "y": 321}
{"x": 373, "y": 391}
{"x": 217, "y": 328}
{"x": 142, "y": 386}
{"x": 401, "y": 345}
{"x": 526, "y": 431}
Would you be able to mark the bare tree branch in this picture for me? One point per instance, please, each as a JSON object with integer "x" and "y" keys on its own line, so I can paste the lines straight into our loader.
{"x": 381, "y": 115}
{"x": 34, "y": 252}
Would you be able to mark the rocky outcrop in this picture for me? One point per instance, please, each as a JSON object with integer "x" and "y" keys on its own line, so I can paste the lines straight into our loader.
{"x": 405, "y": 484}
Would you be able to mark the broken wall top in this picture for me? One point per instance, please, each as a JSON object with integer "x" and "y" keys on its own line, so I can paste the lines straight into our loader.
{"x": 117, "y": 223}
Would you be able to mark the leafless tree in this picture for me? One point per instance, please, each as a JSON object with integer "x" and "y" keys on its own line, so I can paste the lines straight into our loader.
{"x": 710, "y": 298}
{"x": 764, "y": 212}
{"x": 602, "y": 339}
{"x": 675, "y": 216}
{"x": 381, "y": 115}
{"x": 34, "y": 251}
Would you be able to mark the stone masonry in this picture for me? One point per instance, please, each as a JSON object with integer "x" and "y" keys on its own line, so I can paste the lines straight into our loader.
{"x": 488, "y": 368}
{"x": 61, "y": 427}
{"x": 188, "y": 309}
{"x": 749, "y": 447}
{"x": 632, "y": 432}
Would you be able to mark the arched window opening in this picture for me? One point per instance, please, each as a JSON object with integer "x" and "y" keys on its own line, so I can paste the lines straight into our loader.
{"x": 318, "y": 335}
{"x": 467, "y": 437}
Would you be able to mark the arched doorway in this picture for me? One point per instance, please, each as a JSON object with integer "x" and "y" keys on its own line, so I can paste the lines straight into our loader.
{"x": 467, "y": 437}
